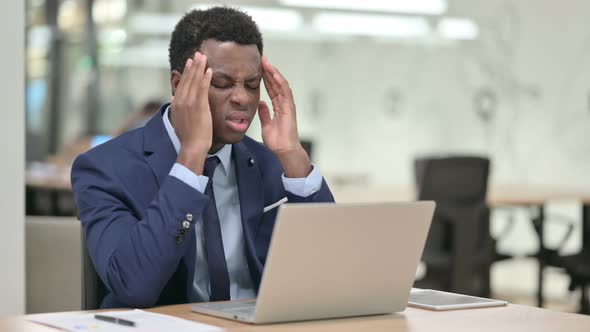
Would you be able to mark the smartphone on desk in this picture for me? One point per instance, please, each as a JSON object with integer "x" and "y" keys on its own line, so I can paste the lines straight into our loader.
{"x": 439, "y": 300}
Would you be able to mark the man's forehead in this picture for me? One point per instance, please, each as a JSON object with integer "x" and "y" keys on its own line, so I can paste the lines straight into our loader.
{"x": 216, "y": 48}
{"x": 220, "y": 74}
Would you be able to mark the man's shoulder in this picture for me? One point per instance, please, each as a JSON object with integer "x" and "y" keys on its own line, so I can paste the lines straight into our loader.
{"x": 129, "y": 144}
{"x": 116, "y": 151}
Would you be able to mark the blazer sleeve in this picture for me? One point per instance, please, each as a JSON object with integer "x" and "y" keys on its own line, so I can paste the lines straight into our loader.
{"x": 135, "y": 255}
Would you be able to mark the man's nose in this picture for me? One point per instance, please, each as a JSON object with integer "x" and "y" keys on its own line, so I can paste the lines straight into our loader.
{"x": 239, "y": 95}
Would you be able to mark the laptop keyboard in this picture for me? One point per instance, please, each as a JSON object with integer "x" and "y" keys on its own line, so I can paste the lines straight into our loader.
{"x": 246, "y": 311}
{"x": 245, "y": 308}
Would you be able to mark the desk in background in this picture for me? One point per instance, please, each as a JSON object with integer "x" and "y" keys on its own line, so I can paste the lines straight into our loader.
{"x": 538, "y": 198}
{"x": 48, "y": 190}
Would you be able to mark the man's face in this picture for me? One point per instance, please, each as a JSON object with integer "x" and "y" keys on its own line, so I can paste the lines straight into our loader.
{"x": 235, "y": 89}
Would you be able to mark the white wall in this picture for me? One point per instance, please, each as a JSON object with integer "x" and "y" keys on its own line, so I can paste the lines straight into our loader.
{"x": 12, "y": 147}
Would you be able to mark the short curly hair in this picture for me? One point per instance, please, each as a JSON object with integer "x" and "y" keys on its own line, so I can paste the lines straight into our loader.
{"x": 219, "y": 23}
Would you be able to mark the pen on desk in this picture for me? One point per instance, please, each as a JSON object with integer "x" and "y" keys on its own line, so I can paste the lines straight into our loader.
{"x": 115, "y": 320}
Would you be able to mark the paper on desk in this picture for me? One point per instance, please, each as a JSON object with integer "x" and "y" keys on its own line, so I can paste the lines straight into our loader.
{"x": 144, "y": 321}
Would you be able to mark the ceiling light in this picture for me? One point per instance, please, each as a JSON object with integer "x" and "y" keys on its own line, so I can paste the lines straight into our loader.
{"x": 371, "y": 25}
{"x": 430, "y": 7}
{"x": 457, "y": 29}
{"x": 275, "y": 19}
{"x": 271, "y": 19}
{"x": 106, "y": 11}
{"x": 153, "y": 23}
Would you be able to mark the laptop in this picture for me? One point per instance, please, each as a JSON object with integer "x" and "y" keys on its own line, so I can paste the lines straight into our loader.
{"x": 329, "y": 260}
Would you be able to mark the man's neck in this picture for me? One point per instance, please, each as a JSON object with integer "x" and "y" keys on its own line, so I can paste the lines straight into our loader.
{"x": 215, "y": 147}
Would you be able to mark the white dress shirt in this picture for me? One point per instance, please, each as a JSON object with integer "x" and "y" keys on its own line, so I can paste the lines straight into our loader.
{"x": 228, "y": 208}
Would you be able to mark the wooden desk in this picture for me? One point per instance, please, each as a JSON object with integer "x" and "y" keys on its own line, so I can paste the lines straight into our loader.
{"x": 498, "y": 195}
{"x": 515, "y": 318}
{"x": 51, "y": 183}
{"x": 58, "y": 180}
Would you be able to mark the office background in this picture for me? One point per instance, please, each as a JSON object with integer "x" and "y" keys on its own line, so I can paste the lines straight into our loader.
{"x": 517, "y": 87}
{"x": 506, "y": 79}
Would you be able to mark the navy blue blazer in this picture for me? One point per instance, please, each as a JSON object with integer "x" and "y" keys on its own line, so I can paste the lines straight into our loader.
{"x": 132, "y": 213}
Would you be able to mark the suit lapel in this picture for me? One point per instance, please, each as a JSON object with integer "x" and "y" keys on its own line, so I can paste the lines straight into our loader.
{"x": 250, "y": 188}
{"x": 158, "y": 147}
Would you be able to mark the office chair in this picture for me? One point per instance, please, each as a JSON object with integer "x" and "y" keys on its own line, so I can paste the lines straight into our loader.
{"x": 459, "y": 249}
{"x": 578, "y": 268}
{"x": 93, "y": 289}
{"x": 546, "y": 256}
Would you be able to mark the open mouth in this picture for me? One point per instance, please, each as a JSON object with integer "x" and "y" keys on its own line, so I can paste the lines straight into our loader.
{"x": 239, "y": 125}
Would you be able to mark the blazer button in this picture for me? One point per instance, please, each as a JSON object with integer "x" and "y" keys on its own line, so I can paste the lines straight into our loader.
{"x": 182, "y": 231}
{"x": 189, "y": 217}
{"x": 186, "y": 224}
{"x": 178, "y": 239}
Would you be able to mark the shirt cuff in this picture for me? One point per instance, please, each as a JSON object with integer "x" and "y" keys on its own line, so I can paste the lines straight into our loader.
{"x": 304, "y": 186}
{"x": 198, "y": 182}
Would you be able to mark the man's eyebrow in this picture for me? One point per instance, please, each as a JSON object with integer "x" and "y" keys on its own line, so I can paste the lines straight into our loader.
{"x": 225, "y": 76}
{"x": 254, "y": 78}
{"x": 222, "y": 75}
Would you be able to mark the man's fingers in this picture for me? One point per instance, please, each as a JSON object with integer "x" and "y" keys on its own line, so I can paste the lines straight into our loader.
{"x": 193, "y": 78}
{"x": 264, "y": 114}
{"x": 206, "y": 80}
{"x": 181, "y": 87}
{"x": 283, "y": 96}
{"x": 189, "y": 77}
{"x": 203, "y": 93}
{"x": 201, "y": 64}
{"x": 193, "y": 89}
{"x": 268, "y": 84}
{"x": 267, "y": 66}
{"x": 282, "y": 84}
{"x": 278, "y": 83}
{"x": 268, "y": 80}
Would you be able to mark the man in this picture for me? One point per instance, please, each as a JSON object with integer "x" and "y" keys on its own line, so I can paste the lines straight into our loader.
{"x": 163, "y": 223}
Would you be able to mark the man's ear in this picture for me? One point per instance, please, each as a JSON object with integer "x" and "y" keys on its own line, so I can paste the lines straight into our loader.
{"x": 174, "y": 80}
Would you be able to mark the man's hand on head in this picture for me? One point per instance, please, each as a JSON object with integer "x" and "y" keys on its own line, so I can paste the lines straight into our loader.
{"x": 279, "y": 132}
{"x": 191, "y": 114}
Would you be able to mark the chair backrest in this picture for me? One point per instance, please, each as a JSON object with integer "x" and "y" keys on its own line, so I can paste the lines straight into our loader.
{"x": 459, "y": 186}
{"x": 459, "y": 180}
{"x": 93, "y": 289}
{"x": 52, "y": 263}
